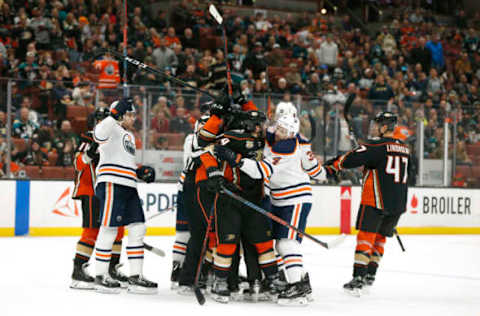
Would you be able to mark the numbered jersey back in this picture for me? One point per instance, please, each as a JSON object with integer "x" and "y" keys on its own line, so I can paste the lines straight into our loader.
{"x": 385, "y": 175}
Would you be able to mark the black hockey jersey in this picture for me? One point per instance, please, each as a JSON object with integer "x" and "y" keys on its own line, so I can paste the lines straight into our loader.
{"x": 385, "y": 175}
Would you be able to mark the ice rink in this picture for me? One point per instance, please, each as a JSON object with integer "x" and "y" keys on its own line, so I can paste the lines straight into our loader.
{"x": 437, "y": 275}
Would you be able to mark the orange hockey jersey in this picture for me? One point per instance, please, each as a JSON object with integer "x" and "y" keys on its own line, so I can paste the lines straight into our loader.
{"x": 84, "y": 176}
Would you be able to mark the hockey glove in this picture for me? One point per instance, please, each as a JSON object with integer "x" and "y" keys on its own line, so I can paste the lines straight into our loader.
{"x": 331, "y": 173}
{"x": 91, "y": 152}
{"x": 123, "y": 106}
{"x": 240, "y": 100}
{"x": 215, "y": 180}
{"x": 219, "y": 109}
{"x": 146, "y": 174}
{"x": 228, "y": 155}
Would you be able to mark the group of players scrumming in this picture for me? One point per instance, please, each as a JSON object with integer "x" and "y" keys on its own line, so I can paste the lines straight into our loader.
{"x": 270, "y": 167}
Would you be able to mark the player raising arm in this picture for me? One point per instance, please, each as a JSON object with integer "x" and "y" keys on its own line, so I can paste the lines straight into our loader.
{"x": 384, "y": 196}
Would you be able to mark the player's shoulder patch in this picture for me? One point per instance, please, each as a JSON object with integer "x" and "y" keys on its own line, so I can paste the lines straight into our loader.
{"x": 302, "y": 140}
{"x": 287, "y": 146}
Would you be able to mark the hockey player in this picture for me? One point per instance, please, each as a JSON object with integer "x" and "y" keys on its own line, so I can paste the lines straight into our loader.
{"x": 287, "y": 168}
{"x": 186, "y": 193}
{"x": 86, "y": 160}
{"x": 120, "y": 205}
{"x": 384, "y": 196}
{"x": 207, "y": 179}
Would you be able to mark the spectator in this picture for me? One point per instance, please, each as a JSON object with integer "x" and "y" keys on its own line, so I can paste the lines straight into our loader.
{"x": 34, "y": 156}
{"x": 421, "y": 54}
{"x": 42, "y": 27}
{"x": 63, "y": 135}
{"x": 162, "y": 106}
{"x": 436, "y": 48}
{"x": 380, "y": 90}
{"x": 180, "y": 124}
{"x": 328, "y": 52}
{"x": 23, "y": 127}
{"x": 160, "y": 123}
{"x": 163, "y": 56}
{"x": 66, "y": 155}
{"x": 255, "y": 60}
{"x": 188, "y": 40}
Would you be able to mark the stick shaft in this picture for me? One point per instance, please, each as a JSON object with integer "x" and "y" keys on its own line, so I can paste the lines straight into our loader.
{"x": 273, "y": 217}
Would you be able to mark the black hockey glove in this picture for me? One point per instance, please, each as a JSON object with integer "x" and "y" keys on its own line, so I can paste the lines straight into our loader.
{"x": 331, "y": 173}
{"x": 123, "y": 106}
{"x": 146, "y": 174}
{"x": 219, "y": 109}
{"x": 240, "y": 100}
{"x": 228, "y": 155}
{"x": 215, "y": 180}
{"x": 92, "y": 151}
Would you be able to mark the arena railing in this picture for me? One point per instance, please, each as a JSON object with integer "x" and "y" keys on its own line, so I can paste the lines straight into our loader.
{"x": 321, "y": 116}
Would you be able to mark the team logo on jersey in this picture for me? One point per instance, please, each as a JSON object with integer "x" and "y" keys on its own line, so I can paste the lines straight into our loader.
{"x": 249, "y": 144}
{"x": 110, "y": 70}
{"x": 128, "y": 144}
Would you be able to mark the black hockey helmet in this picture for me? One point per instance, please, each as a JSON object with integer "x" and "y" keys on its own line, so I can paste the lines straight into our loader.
{"x": 101, "y": 113}
{"x": 246, "y": 121}
{"x": 386, "y": 118}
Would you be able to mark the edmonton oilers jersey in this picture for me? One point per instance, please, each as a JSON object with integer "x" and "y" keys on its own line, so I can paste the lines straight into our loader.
{"x": 117, "y": 153}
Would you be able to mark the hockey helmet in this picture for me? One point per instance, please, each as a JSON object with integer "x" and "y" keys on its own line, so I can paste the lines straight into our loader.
{"x": 101, "y": 113}
{"x": 289, "y": 123}
{"x": 115, "y": 104}
{"x": 285, "y": 108}
{"x": 386, "y": 118}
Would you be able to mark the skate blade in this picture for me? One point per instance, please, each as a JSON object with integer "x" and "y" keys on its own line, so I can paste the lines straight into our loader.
{"x": 219, "y": 298}
{"x": 310, "y": 297}
{"x": 185, "y": 291}
{"x": 82, "y": 285}
{"x": 354, "y": 292}
{"x": 123, "y": 285}
{"x": 366, "y": 289}
{"x": 174, "y": 286}
{"x": 298, "y": 301}
{"x": 237, "y": 296}
{"x": 141, "y": 290}
{"x": 107, "y": 290}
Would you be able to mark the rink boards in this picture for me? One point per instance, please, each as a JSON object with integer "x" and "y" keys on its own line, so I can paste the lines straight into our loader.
{"x": 45, "y": 208}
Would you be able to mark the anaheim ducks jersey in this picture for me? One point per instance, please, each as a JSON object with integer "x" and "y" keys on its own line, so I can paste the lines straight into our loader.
{"x": 386, "y": 166}
{"x": 287, "y": 168}
{"x": 117, "y": 153}
{"x": 84, "y": 174}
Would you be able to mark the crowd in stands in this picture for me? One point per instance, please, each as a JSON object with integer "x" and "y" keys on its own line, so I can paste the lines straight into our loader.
{"x": 419, "y": 65}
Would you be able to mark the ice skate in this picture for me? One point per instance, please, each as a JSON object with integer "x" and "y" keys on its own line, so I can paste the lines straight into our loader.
{"x": 174, "y": 276}
{"x": 185, "y": 290}
{"x": 220, "y": 291}
{"x": 117, "y": 275}
{"x": 272, "y": 286}
{"x": 81, "y": 280}
{"x": 354, "y": 287}
{"x": 137, "y": 284}
{"x": 104, "y": 284}
{"x": 294, "y": 295}
{"x": 307, "y": 287}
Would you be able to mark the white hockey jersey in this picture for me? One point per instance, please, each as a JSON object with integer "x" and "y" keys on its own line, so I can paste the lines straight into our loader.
{"x": 117, "y": 153}
{"x": 187, "y": 152}
{"x": 287, "y": 168}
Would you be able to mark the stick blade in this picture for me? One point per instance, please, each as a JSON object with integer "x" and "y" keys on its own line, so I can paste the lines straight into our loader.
{"x": 337, "y": 241}
{"x": 215, "y": 14}
{"x": 199, "y": 295}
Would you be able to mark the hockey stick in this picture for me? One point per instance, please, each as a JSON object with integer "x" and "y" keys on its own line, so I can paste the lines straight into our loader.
{"x": 219, "y": 19}
{"x": 327, "y": 245}
{"x": 348, "y": 104}
{"x": 198, "y": 293}
{"x": 161, "y": 212}
{"x": 153, "y": 70}
{"x": 155, "y": 250}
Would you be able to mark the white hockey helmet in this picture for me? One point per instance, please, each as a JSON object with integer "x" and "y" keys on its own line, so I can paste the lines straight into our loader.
{"x": 290, "y": 123}
{"x": 285, "y": 108}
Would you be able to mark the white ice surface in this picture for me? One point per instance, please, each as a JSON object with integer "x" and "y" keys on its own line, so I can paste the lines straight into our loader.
{"x": 438, "y": 275}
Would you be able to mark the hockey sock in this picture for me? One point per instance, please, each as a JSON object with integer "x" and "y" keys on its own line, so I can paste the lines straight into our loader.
{"x": 180, "y": 246}
{"x": 135, "y": 251}
{"x": 222, "y": 260}
{"x": 209, "y": 255}
{"x": 117, "y": 248}
{"x": 85, "y": 245}
{"x": 103, "y": 249}
{"x": 363, "y": 252}
{"x": 378, "y": 250}
{"x": 289, "y": 249}
{"x": 266, "y": 257}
